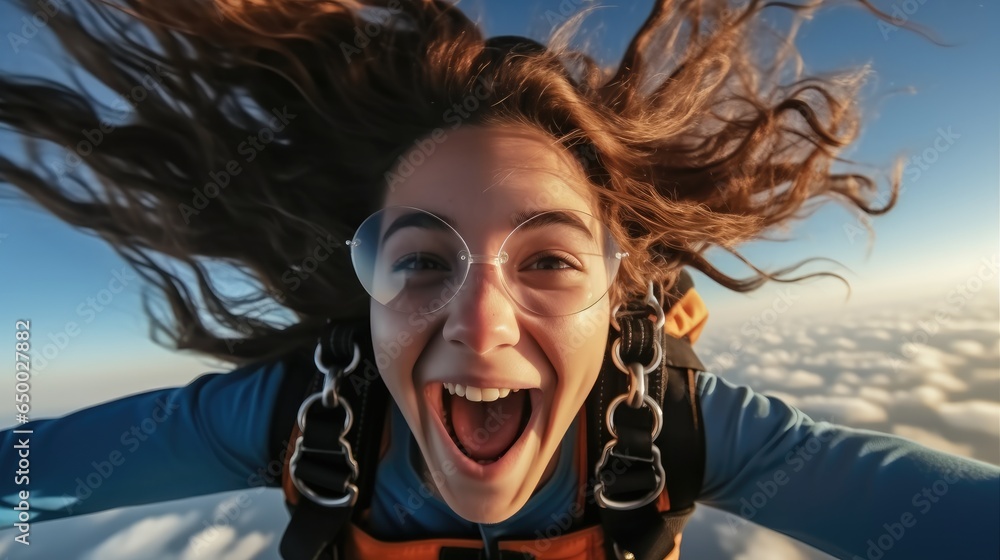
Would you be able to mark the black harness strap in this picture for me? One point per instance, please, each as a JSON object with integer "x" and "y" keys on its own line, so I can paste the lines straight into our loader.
{"x": 645, "y": 531}
{"x": 315, "y": 529}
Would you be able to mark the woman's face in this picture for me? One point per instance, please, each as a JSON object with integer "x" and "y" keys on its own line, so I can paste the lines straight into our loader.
{"x": 478, "y": 179}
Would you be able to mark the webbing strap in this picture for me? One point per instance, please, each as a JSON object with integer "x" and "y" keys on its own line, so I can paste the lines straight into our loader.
{"x": 645, "y": 531}
{"x": 312, "y": 530}
{"x": 315, "y": 529}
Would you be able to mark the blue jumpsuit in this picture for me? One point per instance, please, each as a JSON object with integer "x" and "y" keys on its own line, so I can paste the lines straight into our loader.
{"x": 851, "y": 493}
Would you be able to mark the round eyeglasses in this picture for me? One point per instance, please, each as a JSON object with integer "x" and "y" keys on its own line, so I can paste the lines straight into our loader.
{"x": 555, "y": 263}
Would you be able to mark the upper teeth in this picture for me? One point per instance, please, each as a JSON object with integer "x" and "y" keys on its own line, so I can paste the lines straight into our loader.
{"x": 478, "y": 394}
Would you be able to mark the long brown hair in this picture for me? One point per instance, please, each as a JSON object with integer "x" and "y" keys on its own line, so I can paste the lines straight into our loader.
{"x": 258, "y": 134}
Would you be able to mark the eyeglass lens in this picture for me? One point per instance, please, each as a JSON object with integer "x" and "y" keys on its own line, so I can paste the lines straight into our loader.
{"x": 557, "y": 262}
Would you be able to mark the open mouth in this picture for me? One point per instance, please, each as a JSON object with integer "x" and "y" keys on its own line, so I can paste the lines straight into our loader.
{"x": 484, "y": 424}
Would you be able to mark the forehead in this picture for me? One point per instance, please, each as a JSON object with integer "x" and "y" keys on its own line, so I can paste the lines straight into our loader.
{"x": 484, "y": 175}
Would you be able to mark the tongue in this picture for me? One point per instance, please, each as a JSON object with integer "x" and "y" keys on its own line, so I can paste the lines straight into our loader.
{"x": 487, "y": 429}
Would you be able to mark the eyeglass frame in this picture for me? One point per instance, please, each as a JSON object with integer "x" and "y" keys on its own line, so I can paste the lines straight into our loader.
{"x": 495, "y": 260}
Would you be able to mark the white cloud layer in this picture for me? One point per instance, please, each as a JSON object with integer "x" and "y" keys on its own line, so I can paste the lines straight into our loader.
{"x": 146, "y": 538}
{"x": 978, "y": 416}
{"x": 930, "y": 439}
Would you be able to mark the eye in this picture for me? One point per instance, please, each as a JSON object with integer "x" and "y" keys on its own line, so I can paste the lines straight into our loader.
{"x": 418, "y": 262}
{"x": 552, "y": 260}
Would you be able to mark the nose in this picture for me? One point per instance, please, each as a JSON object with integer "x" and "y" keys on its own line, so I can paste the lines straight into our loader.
{"x": 482, "y": 316}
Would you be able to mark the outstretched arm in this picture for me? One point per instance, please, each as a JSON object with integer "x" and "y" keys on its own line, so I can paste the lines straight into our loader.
{"x": 208, "y": 436}
{"x": 851, "y": 493}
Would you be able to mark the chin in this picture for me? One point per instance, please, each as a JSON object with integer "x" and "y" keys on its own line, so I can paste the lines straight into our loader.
{"x": 480, "y": 502}
{"x": 484, "y": 510}
{"x": 490, "y": 492}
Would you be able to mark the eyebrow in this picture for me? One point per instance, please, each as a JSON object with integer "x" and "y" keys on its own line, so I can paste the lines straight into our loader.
{"x": 419, "y": 220}
{"x": 538, "y": 218}
{"x": 542, "y": 218}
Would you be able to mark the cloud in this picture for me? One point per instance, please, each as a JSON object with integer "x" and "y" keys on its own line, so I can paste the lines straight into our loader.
{"x": 925, "y": 396}
{"x": 978, "y": 416}
{"x": 849, "y": 377}
{"x": 790, "y": 400}
{"x": 842, "y": 410}
{"x": 946, "y": 381}
{"x": 762, "y": 544}
{"x": 209, "y": 544}
{"x": 771, "y": 337}
{"x": 801, "y": 378}
{"x": 932, "y": 440}
{"x": 880, "y": 379}
{"x": 796, "y": 379}
{"x": 821, "y": 359}
{"x": 985, "y": 374}
{"x": 845, "y": 343}
{"x": 930, "y": 358}
{"x": 221, "y": 543}
{"x": 777, "y": 357}
{"x": 841, "y": 389}
{"x": 249, "y": 546}
{"x": 147, "y": 538}
{"x": 968, "y": 347}
{"x": 802, "y": 340}
{"x": 875, "y": 395}
{"x": 878, "y": 334}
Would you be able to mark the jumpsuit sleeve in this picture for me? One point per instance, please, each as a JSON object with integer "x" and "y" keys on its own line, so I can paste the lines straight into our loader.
{"x": 208, "y": 436}
{"x": 851, "y": 493}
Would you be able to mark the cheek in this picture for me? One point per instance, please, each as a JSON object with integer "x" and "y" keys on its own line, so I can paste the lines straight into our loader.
{"x": 581, "y": 344}
{"x": 396, "y": 339}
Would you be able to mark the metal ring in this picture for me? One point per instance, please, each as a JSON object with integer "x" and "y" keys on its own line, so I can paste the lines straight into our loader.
{"x": 330, "y": 394}
{"x": 654, "y": 363}
{"x": 304, "y": 408}
{"x": 331, "y": 398}
{"x": 661, "y": 318}
{"x": 636, "y": 386}
{"x": 609, "y": 417}
{"x": 606, "y": 502}
{"x": 350, "y": 495}
{"x": 318, "y": 358}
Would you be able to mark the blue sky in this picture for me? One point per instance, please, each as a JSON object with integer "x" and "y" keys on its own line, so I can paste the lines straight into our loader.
{"x": 946, "y": 221}
{"x": 831, "y": 365}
